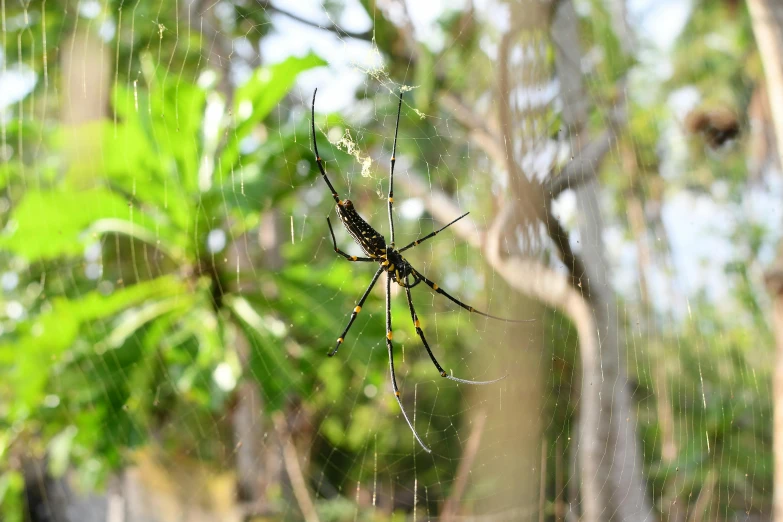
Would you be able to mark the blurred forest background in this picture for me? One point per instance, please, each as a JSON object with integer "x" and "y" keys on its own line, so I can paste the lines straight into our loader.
{"x": 169, "y": 288}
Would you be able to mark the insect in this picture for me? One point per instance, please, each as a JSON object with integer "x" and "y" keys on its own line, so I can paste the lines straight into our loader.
{"x": 391, "y": 261}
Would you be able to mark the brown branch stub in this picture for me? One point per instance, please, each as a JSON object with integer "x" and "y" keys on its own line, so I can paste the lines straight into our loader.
{"x": 773, "y": 279}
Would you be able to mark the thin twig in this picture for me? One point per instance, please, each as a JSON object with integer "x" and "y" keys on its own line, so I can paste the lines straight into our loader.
{"x": 451, "y": 507}
{"x": 542, "y": 484}
{"x": 294, "y": 471}
{"x": 559, "y": 480}
{"x": 704, "y": 500}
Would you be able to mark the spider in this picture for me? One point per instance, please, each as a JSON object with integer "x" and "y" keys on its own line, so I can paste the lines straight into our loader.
{"x": 391, "y": 261}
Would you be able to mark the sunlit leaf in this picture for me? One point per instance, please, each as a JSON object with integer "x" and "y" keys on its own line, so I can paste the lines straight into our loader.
{"x": 254, "y": 100}
{"x": 60, "y": 450}
{"x": 52, "y": 224}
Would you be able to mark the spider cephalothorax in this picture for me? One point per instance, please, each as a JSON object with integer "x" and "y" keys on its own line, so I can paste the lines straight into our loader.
{"x": 373, "y": 243}
{"x": 391, "y": 261}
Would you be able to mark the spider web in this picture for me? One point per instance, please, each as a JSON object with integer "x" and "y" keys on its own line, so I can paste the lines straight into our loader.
{"x": 170, "y": 288}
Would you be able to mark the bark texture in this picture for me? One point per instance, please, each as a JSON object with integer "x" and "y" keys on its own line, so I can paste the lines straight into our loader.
{"x": 767, "y": 21}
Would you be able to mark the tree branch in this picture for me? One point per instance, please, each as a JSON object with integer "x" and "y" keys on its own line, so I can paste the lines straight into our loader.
{"x": 478, "y": 130}
{"x": 443, "y": 208}
{"x": 366, "y": 36}
{"x": 584, "y": 166}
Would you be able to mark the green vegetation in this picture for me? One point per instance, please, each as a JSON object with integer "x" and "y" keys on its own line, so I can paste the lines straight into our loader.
{"x": 158, "y": 258}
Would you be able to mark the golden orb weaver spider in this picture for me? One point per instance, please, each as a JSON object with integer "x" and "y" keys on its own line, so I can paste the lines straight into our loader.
{"x": 391, "y": 261}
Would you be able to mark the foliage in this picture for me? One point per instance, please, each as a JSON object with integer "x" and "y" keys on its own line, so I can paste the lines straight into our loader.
{"x": 137, "y": 297}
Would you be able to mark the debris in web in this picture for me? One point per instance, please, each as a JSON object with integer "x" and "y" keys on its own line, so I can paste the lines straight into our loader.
{"x": 348, "y": 145}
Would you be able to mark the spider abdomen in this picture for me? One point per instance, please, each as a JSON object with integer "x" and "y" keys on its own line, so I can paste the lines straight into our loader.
{"x": 370, "y": 240}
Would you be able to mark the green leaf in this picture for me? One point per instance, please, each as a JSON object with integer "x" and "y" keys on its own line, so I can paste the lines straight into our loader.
{"x": 261, "y": 93}
{"x": 52, "y": 224}
{"x": 269, "y": 363}
{"x": 50, "y": 334}
{"x": 164, "y": 126}
{"x": 12, "y": 496}
{"x": 60, "y": 451}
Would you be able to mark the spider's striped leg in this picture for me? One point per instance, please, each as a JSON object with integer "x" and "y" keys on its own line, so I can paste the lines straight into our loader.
{"x": 318, "y": 159}
{"x": 419, "y": 331}
{"x": 356, "y": 310}
{"x": 346, "y": 256}
{"x": 391, "y": 361}
{"x": 431, "y": 234}
{"x": 391, "y": 175}
{"x": 463, "y": 305}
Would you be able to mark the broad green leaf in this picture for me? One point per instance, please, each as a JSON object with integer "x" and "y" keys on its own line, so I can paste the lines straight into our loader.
{"x": 52, "y": 224}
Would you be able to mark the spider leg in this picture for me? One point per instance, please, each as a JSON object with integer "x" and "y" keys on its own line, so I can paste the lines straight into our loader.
{"x": 431, "y": 234}
{"x": 419, "y": 331}
{"x": 356, "y": 310}
{"x": 318, "y": 156}
{"x": 346, "y": 256}
{"x": 406, "y": 284}
{"x": 391, "y": 362}
{"x": 391, "y": 175}
{"x": 463, "y": 305}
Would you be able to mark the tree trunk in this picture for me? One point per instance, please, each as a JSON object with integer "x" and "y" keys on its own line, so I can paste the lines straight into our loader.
{"x": 611, "y": 466}
{"x": 767, "y": 21}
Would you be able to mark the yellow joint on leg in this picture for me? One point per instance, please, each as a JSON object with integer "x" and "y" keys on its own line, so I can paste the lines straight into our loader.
{"x": 357, "y": 309}
{"x": 434, "y": 286}
{"x": 470, "y": 308}
{"x": 391, "y": 267}
{"x": 417, "y": 323}
{"x": 389, "y": 335}
{"x": 339, "y": 340}
{"x": 442, "y": 374}
{"x": 397, "y": 393}
{"x": 391, "y": 200}
{"x": 386, "y": 262}
{"x": 354, "y": 258}
{"x": 340, "y": 202}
